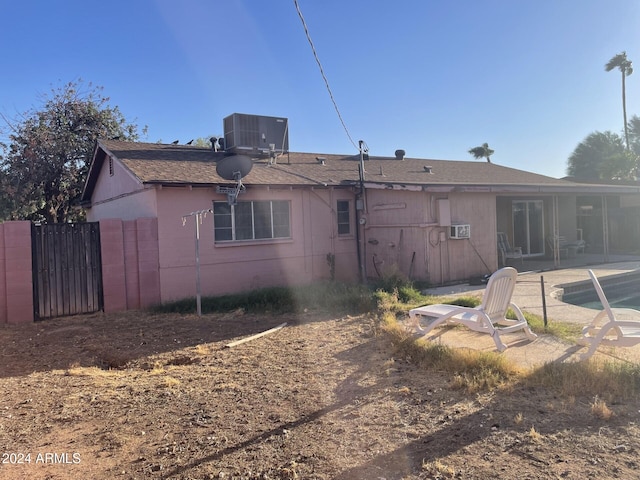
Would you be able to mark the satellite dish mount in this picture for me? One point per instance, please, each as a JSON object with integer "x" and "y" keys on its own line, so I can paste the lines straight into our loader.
{"x": 233, "y": 167}
{"x": 232, "y": 192}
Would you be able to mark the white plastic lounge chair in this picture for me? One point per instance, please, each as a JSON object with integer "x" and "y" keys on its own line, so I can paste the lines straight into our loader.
{"x": 489, "y": 317}
{"x": 621, "y": 330}
{"x": 506, "y": 251}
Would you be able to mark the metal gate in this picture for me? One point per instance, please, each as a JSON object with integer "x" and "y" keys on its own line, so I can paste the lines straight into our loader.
{"x": 67, "y": 269}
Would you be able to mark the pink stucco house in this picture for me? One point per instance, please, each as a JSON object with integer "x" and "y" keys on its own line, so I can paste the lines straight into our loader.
{"x": 432, "y": 220}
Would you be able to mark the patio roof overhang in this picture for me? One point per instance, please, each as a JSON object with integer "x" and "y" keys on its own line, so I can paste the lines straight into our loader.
{"x": 577, "y": 189}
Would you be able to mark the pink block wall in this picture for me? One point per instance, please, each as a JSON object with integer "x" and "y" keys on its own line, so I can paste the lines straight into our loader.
{"x": 148, "y": 261}
{"x": 114, "y": 285}
{"x": 16, "y": 295}
{"x": 132, "y": 277}
{"x": 130, "y": 265}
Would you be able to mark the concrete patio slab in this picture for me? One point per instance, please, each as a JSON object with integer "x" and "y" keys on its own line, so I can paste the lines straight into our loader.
{"x": 528, "y": 296}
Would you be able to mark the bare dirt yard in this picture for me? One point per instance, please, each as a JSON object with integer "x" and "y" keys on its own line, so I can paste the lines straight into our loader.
{"x": 142, "y": 396}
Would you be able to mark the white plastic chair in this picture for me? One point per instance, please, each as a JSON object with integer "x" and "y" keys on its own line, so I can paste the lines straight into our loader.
{"x": 621, "y": 330}
{"x": 489, "y": 317}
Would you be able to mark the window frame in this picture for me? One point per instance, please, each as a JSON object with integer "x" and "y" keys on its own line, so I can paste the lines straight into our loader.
{"x": 254, "y": 210}
{"x": 340, "y": 223}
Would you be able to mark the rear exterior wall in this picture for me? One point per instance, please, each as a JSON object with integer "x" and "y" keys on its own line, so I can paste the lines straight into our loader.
{"x": 404, "y": 233}
{"x": 235, "y": 266}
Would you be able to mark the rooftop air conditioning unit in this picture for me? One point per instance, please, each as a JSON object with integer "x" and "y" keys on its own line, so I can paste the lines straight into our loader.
{"x": 460, "y": 231}
{"x": 251, "y": 133}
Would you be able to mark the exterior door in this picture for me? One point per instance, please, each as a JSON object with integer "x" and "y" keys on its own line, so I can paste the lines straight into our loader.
{"x": 528, "y": 226}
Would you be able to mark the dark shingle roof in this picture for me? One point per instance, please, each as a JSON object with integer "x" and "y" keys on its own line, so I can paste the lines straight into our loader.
{"x": 411, "y": 171}
{"x": 184, "y": 164}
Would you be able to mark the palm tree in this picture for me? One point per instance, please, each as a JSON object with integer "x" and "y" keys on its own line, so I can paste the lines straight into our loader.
{"x": 622, "y": 63}
{"x": 602, "y": 156}
{"x": 483, "y": 151}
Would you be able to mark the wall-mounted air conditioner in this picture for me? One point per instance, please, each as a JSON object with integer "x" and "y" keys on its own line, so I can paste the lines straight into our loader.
{"x": 460, "y": 231}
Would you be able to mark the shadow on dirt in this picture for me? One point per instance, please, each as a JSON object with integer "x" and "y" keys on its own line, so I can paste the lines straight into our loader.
{"x": 116, "y": 341}
{"x": 350, "y": 396}
{"x": 490, "y": 425}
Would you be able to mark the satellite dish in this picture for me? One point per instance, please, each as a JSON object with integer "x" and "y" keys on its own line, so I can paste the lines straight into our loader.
{"x": 234, "y": 167}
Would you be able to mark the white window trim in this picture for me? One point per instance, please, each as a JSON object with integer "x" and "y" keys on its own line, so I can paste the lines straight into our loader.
{"x": 350, "y": 233}
{"x": 253, "y": 238}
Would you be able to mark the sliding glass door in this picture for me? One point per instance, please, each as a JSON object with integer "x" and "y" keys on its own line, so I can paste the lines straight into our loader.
{"x": 528, "y": 226}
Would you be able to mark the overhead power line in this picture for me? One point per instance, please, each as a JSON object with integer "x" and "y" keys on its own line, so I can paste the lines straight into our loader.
{"x": 324, "y": 77}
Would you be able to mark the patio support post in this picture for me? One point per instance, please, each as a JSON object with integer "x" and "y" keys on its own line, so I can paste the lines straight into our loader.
{"x": 605, "y": 229}
{"x": 556, "y": 233}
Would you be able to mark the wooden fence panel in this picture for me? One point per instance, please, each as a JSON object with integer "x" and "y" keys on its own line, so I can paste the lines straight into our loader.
{"x": 67, "y": 269}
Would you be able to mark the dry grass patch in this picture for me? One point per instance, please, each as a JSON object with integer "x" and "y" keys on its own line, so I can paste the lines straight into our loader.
{"x": 202, "y": 350}
{"x": 472, "y": 371}
{"x": 534, "y": 435}
{"x": 404, "y": 391}
{"x": 438, "y": 469}
{"x": 600, "y": 409}
{"x": 157, "y": 369}
{"x": 97, "y": 374}
{"x": 171, "y": 382}
{"x": 611, "y": 379}
{"x": 475, "y": 371}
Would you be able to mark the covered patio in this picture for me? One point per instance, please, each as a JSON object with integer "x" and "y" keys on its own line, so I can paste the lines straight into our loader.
{"x": 581, "y": 225}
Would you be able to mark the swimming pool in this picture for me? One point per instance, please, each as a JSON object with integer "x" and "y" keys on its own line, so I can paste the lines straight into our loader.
{"x": 626, "y": 302}
{"x": 622, "y": 291}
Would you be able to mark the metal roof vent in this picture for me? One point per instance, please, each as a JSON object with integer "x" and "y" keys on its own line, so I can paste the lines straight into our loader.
{"x": 428, "y": 168}
{"x": 321, "y": 160}
{"x": 217, "y": 144}
{"x": 400, "y": 154}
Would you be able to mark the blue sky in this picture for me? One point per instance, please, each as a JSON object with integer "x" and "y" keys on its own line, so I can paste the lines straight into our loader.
{"x": 434, "y": 78}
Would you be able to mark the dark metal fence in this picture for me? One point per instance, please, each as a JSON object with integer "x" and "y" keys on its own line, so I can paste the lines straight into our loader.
{"x": 67, "y": 269}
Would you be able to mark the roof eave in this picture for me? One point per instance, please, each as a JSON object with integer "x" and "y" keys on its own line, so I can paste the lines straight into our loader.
{"x": 503, "y": 188}
{"x": 170, "y": 183}
{"x": 92, "y": 175}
